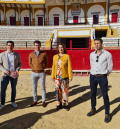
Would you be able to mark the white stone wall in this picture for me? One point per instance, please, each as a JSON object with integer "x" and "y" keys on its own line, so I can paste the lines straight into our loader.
{"x": 41, "y": 13}
{"x": 96, "y": 8}
{"x": 59, "y": 11}
{"x": 112, "y": 8}
{"x": 80, "y": 17}
{"x": 25, "y": 13}
{"x": 11, "y": 13}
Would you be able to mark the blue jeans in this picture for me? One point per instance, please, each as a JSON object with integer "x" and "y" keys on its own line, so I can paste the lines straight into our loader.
{"x": 103, "y": 82}
{"x": 4, "y": 84}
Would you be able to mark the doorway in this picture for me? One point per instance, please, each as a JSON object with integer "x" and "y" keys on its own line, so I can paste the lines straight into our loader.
{"x": 95, "y": 19}
{"x": 76, "y": 42}
{"x": 56, "y": 21}
{"x": 40, "y": 21}
{"x": 75, "y": 19}
{"x": 12, "y": 21}
{"x": 100, "y": 34}
{"x": 114, "y": 17}
{"x": 26, "y": 21}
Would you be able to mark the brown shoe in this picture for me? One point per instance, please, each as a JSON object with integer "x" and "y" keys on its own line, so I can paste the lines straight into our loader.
{"x": 107, "y": 118}
{"x": 92, "y": 112}
{"x": 43, "y": 104}
{"x": 33, "y": 104}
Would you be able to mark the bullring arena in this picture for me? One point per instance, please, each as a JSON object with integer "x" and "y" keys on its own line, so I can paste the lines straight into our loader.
{"x": 76, "y": 23}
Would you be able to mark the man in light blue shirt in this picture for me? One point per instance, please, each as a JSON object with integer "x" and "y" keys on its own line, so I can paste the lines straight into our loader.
{"x": 101, "y": 66}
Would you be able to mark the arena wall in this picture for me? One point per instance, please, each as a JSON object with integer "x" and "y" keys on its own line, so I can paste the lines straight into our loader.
{"x": 79, "y": 58}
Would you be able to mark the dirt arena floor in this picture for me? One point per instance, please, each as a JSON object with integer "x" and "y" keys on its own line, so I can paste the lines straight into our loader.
{"x": 37, "y": 117}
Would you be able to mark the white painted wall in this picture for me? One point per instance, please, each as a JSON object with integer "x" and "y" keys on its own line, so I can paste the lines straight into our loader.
{"x": 59, "y": 11}
{"x": 80, "y": 16}
{"x": 10, "y": 13}
{"x": 96, "y": 8}
{"x": 2, "y": 15}
{"x": 39, "y": 12}
{"x": 25, "y": 13}
{"x": 112, "y": 8}
{"x": 74, "y": 33}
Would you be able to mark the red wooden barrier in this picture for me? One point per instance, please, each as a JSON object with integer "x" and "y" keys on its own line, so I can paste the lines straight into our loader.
{"x": 79, "y": 58}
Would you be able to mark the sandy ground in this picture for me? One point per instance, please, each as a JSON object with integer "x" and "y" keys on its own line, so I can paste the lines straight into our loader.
{"x": 37, "y": 117}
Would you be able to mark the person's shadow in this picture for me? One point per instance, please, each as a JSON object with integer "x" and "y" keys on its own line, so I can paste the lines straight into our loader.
{"x": 28, "y": 120}
{"x": 25, "y": 103}
{"x": 76, "y": 89}
{"x": 22, "y": 103}
{"x": 21, "y": 122}
{"x": 24, "y": 121}
{"x": 85, "y": 97}
{"x": 115, "y": 111}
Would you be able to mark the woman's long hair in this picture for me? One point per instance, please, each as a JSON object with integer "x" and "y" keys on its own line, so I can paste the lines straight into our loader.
{"x": 64, "y": 47}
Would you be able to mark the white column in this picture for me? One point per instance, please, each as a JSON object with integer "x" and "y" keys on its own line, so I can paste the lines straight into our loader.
{"x": 47, "y": 13}
{"x": 33, "y": 13}
{"x": 4, "y": 12}
{"x": 66, "y": 10}
{"x": 19, "y": 13}
{"x": 106, "y": 11}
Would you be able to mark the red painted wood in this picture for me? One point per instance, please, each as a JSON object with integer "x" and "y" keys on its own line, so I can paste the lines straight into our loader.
{"x": 114, "y": 17}
{"x": 89, "y": 42}
{"x": 12, "y": 21}
{"x": 75, "y": 56}
{"x": 40, "y": 21}
{"x": 26, "y": 21}
{"x": 80, "y": 58}
{"x": 70, "y": 44}
{"x": 56, "y": 21}
{"x": 75, "y": 19}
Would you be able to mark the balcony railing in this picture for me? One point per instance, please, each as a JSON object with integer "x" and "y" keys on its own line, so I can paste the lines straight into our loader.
{"x": 69, "y": 21}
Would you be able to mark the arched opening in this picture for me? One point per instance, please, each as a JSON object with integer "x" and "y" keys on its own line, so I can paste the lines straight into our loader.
{"x": 56, "y": 16}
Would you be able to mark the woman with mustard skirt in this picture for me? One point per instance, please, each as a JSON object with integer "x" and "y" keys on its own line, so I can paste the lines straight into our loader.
{"x": 61, "y": 75}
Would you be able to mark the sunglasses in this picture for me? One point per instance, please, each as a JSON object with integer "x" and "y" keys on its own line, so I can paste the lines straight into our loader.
{"x": 97, "y": 59}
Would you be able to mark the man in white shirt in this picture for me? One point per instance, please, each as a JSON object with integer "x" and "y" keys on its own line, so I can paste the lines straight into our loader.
{"x": 101, "y": 66}
{"x": 10, "y": 62}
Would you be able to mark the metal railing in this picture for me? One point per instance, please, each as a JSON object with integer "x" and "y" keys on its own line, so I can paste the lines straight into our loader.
{"x": 79, "y": 45}
{"x": 69, "y": 21}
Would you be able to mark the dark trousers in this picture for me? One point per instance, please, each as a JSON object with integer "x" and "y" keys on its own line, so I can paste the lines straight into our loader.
{"x": 103, "y": 82}
{"x": 4, "y": 84}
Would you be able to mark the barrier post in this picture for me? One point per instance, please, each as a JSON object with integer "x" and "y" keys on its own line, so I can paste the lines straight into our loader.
{"x": 70, "y": 44}
{"x": 89, "y": 43}
{"x": 118, "y": 42}
{"x": 26, "y": 43}
{"x": 0, "y": 16}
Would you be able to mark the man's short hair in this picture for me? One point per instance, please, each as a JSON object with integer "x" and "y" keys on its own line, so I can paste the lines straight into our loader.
{"x": 99, "y": 40}
{"x": 37, "y": 41}
{"x": 9, "y": 42}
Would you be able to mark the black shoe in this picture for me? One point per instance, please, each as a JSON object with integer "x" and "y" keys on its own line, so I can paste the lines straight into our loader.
{"x": 66, "y": 108}
{"x": 59, "y": 107}
{"x": 107, "y": 118}
{"x": 91, "y": 113}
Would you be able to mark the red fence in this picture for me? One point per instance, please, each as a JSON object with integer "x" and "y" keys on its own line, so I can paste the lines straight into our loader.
{"x": 79, "y": 58}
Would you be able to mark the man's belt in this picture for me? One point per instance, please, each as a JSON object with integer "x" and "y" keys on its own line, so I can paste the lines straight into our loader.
{"x": 99, "y": 75}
